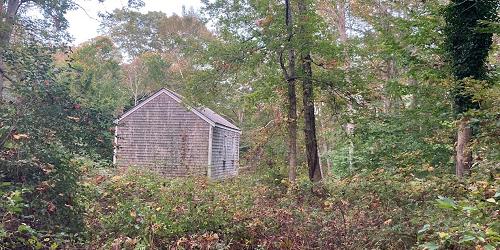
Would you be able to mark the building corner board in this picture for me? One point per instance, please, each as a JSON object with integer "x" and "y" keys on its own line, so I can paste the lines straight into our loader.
{"x": 115, "y": 147}
{"x": 209, "y": 165}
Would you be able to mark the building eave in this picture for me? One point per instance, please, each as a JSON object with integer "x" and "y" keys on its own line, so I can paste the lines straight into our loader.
{"x": 168, "y": 93}
{"x": 227, "y": 128}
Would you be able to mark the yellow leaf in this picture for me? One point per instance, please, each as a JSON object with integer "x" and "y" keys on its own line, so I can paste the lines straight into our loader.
{"x": 116, "y": 178}
{"x": 443, "y": 235}
{"x": 133, "y": 213}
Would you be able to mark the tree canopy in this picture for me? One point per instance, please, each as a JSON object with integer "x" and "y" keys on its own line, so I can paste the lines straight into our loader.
{"x": 365, "y": 124}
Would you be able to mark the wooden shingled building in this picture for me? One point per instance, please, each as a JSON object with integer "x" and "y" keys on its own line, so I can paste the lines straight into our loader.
{"x": 163, "y": 134}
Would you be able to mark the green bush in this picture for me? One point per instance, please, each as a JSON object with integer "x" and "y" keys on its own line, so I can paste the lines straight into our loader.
{"x": 466, "y": 221}
{"x": 155, "y": 211}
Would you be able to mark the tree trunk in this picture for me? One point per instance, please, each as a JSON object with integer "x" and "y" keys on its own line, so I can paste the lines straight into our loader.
{"x": 413, "y": 97}
{"x": 313, "y": 162}
{"x": 324, "y": 142}
{"x": 310, "y": 122}
{"x": 386, "y": 97}
{"x": 463, "y": 152}
{"x": 326, "y": 150}
{"x": 290, "y": 77}
{"x": 292, "y": 131}
{"x": 350, "y": 126}
{"x": 1, "y": 78}
{"x": 341, "y": 20}
{"x": 7, "y": 17}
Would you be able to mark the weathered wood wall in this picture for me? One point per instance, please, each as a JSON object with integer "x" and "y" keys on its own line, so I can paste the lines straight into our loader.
{"x": 225, "y": 153}
{"x": 164, "y": 136}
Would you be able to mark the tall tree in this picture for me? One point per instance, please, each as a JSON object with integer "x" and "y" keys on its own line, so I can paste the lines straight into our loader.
{"x": 336, "y": 14}
{"x": 146, "y": 73}
{"x": 259, "y": 39}
{"x": 53, "y": 18}
{"x": 305, "y": 41}
{"x": 176, "y": 38}
{"x": 96, "y": 80}
{"x": 291, "y": 77}
{"x": 468, "y": 51}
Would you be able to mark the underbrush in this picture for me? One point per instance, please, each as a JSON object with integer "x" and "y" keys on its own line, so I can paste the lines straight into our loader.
{"x": 40, "y": 204}
{"x": 136, "y": 208}
{"x": 112, "y": 208}
{"x": 374, "y": 209}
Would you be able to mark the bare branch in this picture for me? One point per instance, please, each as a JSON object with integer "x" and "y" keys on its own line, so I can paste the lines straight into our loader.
{"x": 282, "y": 65}
{"x": 85, "y": 11}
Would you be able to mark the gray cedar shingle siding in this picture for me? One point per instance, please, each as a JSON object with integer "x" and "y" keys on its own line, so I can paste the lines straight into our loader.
{"x": 165, "y": 136}
{"x": 225, "y": 153}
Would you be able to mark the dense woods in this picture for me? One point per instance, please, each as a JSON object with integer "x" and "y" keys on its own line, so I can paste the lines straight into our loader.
{"x": 365, "y": 125}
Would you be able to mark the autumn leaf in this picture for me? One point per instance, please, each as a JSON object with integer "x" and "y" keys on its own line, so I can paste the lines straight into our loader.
{"x": 74, "y": 118}
{"x": 43, "y": 186}
{"x": 20, "y": 136}
{"x": 51, "y": 208}
{"x": 47, "y": 169}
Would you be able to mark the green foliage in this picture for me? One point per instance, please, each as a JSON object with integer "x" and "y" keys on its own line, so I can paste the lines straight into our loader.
{"x": 46, "y": 115}
{"x": 387, "y": 77}
{"x": 95, "y": 76}
{"x": 466, "y": 46}
{"x": 470, "y": 220}
{"x": 389, "y": 209}
{"x": 44, "y": 128}
{"x": 155, "y": 211}
{"x": 485, "y": 122}
{"x": 410, "y": 138}
{"x": 133, "y": 31}
{"x": 39, "y": 204}
{"x": 162, "y": 49}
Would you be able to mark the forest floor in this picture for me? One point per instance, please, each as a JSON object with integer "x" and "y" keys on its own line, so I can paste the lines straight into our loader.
{"x": 260, "y": 210}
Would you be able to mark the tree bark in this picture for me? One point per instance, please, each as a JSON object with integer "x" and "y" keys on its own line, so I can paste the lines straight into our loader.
{"x": 1, "y": 78}
{"x": 290, "y": 77}
{"x": 292, "y": 131}
{"x": 313, "y": 162}
{"x": 315, "y": 173}
{"x": 463, "y": 153}
{"x": 413, "y": 97}
{"x": 323, "y": 128}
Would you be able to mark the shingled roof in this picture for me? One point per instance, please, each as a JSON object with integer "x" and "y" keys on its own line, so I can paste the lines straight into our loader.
{"x": 216, "y": 118}
{"x": 205, "y": 113}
